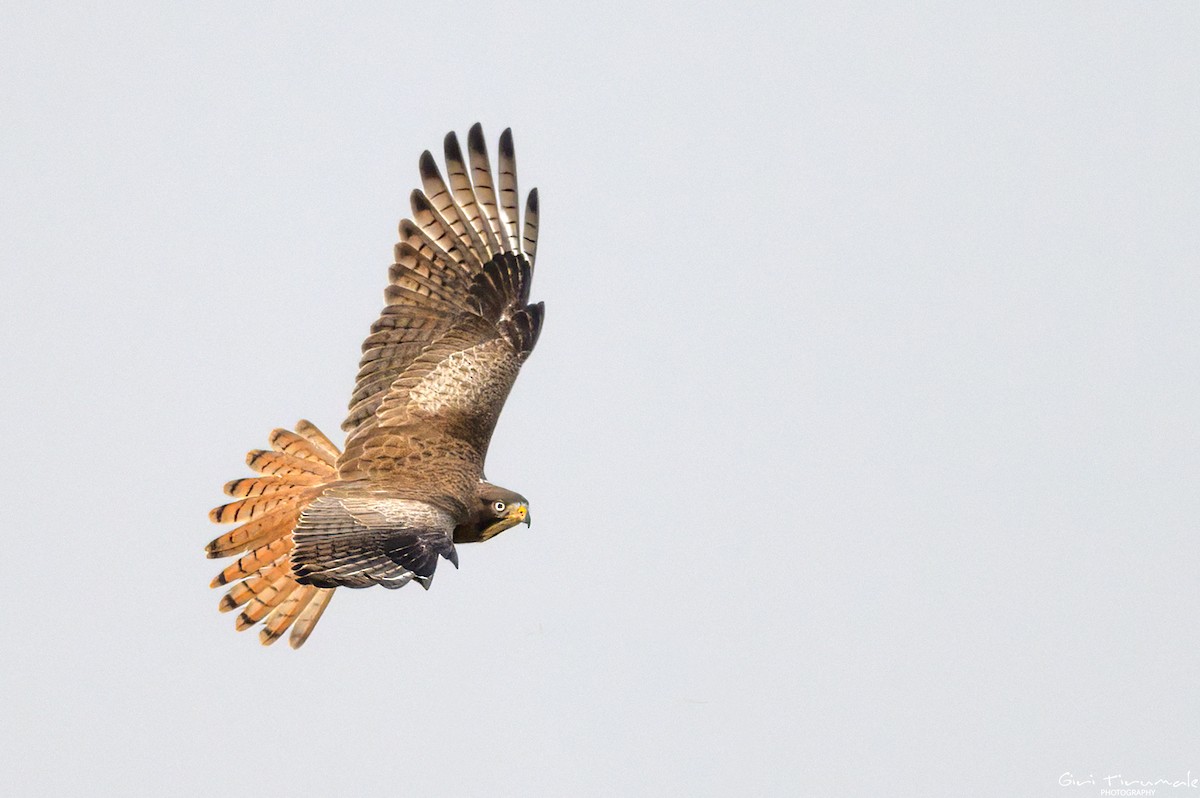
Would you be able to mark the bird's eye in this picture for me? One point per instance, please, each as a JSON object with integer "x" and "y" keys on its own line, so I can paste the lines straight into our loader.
{"x": 498, "y": 507}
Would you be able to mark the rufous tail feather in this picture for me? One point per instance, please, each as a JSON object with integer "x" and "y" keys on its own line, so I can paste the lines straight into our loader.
{"x": 291, "y": 474}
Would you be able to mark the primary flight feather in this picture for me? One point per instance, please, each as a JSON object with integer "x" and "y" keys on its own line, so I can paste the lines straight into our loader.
{"x": 435, "y": 372}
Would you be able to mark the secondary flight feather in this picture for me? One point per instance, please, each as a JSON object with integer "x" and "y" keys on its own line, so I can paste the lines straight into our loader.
{"x": 435, "y": 372}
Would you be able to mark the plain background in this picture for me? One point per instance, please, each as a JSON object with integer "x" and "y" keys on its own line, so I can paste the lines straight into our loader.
{"x": 861, "y": 440}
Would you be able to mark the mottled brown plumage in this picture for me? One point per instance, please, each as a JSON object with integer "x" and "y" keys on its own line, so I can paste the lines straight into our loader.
{"x": 435, "y": 372}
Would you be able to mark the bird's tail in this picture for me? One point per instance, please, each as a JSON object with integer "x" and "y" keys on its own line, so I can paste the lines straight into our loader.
{"x": 292, "y": 473}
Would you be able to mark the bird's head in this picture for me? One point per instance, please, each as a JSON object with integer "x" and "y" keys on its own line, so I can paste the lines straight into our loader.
{"x": 497, "y": 509}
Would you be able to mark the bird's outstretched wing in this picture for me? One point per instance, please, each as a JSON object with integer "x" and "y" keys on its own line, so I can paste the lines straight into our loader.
{"x": 440, "y": 361}
{"x": 350, "y": 538}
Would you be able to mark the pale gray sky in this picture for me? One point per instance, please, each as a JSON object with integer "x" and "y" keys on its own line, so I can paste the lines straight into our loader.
{"x": 861, "y": 437}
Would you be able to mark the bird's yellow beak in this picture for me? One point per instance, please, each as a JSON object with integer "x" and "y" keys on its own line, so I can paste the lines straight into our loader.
{"x": 516, "y": 514}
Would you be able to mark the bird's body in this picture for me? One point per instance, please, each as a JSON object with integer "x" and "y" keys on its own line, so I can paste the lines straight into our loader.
{"x": 434, "y": 375}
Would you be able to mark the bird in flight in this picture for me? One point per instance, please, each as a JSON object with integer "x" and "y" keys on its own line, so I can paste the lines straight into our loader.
{"x": 434, "y": 374}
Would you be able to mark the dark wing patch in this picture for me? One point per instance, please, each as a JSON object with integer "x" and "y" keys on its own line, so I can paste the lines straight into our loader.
{"x": 501, "y": 293}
